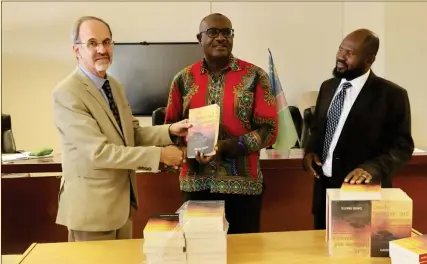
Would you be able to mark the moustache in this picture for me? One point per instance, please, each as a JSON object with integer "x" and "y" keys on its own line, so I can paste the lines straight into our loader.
{"x": 102, "y": 57}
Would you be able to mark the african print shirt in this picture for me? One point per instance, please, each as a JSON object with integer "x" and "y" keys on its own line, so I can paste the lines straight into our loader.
{"x": 248, "y": 113}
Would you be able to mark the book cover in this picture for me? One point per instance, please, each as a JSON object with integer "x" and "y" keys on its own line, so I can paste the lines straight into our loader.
{"x": 391, "y": 220}
{"x": 416, "y": 245}
{"x": 350, "y": 229}
{"x": 203, "y": 135}
{"x": 163, "y": 223}
{"x": 365, "y": 227}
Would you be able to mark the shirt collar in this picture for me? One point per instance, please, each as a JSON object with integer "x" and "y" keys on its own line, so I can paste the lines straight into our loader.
{"x": 233, "y": 64}
{"x": 358, "y": 82}
{"x": 98, "y": 81}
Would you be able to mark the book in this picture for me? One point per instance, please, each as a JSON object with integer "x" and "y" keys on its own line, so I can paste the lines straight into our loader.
{"x": 363, "y": 228}
{"x": 203, "y": 216}
{"x": 164, "y": 240}
{"x": 364, "y": 191}
{"x": 205, "y": 230}
{"x": 411, "y": 250}
{"x": 203, "y": 135}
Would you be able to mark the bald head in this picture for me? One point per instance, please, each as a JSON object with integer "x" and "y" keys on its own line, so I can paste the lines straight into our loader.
{"x": 356, "y": 54}
{"x": 369, "y": 41}
{"x": 216, "y": 35}
{"x": 213, "y": 19}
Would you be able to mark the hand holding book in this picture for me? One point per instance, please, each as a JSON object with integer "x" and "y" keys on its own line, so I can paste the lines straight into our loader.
{"x": 228, "y": 149}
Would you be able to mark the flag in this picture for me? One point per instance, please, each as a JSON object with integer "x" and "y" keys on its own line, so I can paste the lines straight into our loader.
{"x": 287, "y": 134}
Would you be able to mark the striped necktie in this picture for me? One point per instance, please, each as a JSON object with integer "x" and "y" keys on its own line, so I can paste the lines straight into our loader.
{"x": 107, "y": 89}
{"x": 333, "y": 118}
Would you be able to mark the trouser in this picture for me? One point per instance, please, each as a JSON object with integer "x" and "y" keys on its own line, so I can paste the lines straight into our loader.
{"x": 243, "y": 212}
{"x": 125, "y": 232}
{"x": 319, "y": 199}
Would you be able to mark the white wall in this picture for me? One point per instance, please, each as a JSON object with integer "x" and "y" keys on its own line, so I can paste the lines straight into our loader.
{"x": 406, "y": 58}
{"x": 303, "y": 36}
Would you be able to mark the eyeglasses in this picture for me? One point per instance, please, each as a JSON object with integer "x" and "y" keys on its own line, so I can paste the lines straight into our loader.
{"x": 93, "y": 44}
{"x": 214, "y": 32}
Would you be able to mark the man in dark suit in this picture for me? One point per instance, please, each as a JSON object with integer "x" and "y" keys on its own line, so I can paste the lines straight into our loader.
{"x": 362, "y": 126}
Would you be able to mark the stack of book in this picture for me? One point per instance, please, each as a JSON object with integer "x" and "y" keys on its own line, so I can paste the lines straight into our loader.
{"x": 164, "y": 240}
{"x": 363, "y": 227}
{"x": 205, "y": 230}
{"x": 411, "y": 250}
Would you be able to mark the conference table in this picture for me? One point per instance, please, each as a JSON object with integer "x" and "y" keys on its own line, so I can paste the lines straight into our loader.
{"x": 292, "y": 247}
{"x": 30, "y": 197}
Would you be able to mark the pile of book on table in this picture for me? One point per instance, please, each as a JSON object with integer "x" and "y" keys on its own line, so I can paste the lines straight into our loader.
{"x": 205, "y": 230}
{"x": 164, "y": 240}
{"x": 361, "y": 220}
{"x": 411, "y": 250}
{"x": 196, "y": 233}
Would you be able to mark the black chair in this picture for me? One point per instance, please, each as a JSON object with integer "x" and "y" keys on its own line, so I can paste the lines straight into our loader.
{"x": 7, "y": 139}
{"x": 298, "y": 121}
{"x": 308, "y": 122}
{"x": 158, "y": 116}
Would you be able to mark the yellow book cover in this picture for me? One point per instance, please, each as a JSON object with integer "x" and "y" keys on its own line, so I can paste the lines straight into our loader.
{"x": 203, "y": 135}
{"x": 360, "y": 187}
{"x": 416, "y": 245}
{"x": 391, "y": 220}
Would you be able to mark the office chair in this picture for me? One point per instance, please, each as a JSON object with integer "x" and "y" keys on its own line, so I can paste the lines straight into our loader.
{"x": 158, "y": 116}
{"x": 308, "y": 122}
{"x": 7, "y": 139}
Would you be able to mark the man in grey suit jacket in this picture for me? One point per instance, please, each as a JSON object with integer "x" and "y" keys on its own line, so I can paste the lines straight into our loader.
{"x": 102, "y": 144}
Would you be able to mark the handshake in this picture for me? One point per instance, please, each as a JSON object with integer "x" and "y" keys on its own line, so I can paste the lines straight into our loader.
{"x": 172, "y": 156}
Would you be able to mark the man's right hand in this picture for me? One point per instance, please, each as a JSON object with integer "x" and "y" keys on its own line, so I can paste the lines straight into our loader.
{"x": 171, "y": 156}
{"x": 309, "y": 159}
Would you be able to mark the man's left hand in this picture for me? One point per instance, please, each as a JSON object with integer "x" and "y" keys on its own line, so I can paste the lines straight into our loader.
{"x": 358, "y": 176}
{"x": 180, "y": 128}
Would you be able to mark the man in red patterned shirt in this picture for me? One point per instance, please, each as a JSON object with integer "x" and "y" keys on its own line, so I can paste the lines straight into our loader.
{"x": 248, "y": 123}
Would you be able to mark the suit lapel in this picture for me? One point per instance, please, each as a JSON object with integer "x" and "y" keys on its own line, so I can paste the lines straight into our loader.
{"x": 94, "y": 91}
{"x": 120, "y": 106}
{"x": 327, "y": 98}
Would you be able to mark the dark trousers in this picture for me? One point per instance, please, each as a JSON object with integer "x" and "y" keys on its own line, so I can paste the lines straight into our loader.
{"x": 243, "y": 212}
{"x": 319, "y": 199}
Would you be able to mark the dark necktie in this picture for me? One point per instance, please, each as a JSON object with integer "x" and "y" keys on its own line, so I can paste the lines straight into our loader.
{"x": 107, "y": 89}
{"x": 333, "y": 118}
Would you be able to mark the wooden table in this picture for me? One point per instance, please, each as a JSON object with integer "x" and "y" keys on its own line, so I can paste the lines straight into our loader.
{"x": 29, "y": 204}
{"x": 295, "y": 247}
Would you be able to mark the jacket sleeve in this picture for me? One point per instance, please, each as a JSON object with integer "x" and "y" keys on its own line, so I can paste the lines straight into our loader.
{"x": 151, "y": 135}
{"x": 77, "y": 126}
{"x": 397, "y": 143}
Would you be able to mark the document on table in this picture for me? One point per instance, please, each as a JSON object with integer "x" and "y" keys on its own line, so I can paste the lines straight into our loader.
{"x": 21, "y": 156}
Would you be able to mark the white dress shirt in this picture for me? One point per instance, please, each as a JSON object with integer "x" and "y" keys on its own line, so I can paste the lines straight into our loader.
{"x": 350, "y": 97}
